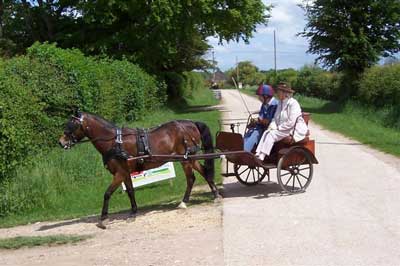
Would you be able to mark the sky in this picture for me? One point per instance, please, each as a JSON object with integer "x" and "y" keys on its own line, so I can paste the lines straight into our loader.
{"x": 287, "y": 19}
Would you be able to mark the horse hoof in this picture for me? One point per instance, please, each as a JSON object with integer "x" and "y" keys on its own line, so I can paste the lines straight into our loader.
{"x": 102, "y": 224}
{"x": 218, "y": 200}
{"x": 131, "y": 218}
{"x": 182, "y": 205}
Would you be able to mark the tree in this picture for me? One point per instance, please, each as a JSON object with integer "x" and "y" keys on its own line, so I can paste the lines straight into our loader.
{"x": 351, "y": 36}
{"x": 162, "y": 35}
{"x": 248, "y": 74}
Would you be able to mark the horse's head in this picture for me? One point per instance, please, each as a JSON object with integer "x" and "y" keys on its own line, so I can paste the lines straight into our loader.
{"x": 73, "y": 131}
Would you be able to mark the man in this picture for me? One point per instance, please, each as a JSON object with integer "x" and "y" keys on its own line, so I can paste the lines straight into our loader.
{"x": 267, "y": 111}
{"x": 288, "y": 121}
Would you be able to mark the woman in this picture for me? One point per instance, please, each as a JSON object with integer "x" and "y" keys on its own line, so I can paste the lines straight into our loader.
{"x": 287, "y": 122}
{"x": 267, "y": 111}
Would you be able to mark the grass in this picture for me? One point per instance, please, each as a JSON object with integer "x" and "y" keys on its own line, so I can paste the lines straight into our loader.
{"x": 34, "y": 241}
{"x": 366, "y": 125}
{"x": 355, "y": 121}
{"x": 71, "y": 184}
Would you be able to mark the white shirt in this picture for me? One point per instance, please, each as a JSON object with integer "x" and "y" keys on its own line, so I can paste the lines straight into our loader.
{"x": 287, "y": 112}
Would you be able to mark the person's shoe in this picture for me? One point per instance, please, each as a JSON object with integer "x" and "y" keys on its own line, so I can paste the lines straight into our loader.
{"x": 261, "y": 156}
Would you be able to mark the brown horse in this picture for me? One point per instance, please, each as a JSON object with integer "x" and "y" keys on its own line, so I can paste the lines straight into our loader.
{"x": 117, "y": 145}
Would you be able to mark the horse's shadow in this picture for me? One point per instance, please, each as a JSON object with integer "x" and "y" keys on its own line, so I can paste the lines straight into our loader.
{"x": 230, "y": 190}
{"x": 124, "y": 215}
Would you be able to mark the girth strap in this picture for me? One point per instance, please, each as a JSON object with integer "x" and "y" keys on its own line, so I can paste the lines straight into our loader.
{"x": 116, "y": 152}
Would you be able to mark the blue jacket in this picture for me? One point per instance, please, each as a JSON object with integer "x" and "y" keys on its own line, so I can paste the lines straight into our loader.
{"x": 267, "y": 111}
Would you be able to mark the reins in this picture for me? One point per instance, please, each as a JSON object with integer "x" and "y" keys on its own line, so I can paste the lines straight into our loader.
{"x": 103, "y": 139}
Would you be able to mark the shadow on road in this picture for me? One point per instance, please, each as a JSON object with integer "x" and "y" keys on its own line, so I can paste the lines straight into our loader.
{"x": 260, "y": 191}
{"x": 338, "y": 143}
{"x": 125, "y": 214}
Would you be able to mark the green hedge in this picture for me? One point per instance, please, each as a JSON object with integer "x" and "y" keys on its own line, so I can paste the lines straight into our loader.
{"x": 316, "y": 82}
{"x": 379, "y": 87}
{"x": 183, "y": 85}
{"x": 39, "y": 91}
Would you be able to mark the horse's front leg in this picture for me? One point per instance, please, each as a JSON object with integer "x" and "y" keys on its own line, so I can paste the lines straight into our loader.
{"x": 117, "y": 180}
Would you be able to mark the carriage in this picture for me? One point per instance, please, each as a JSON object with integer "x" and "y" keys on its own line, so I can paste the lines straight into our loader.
{"x": 293, "y": 161}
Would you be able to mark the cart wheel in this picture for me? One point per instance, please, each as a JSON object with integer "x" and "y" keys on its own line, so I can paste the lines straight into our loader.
{"x": 250, "y": 176}
{"x": 295, "y": 178}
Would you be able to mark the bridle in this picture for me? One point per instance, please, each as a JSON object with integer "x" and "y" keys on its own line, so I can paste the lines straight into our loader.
{"x": 71, "y": 127}
{"x": 74, "y": 124}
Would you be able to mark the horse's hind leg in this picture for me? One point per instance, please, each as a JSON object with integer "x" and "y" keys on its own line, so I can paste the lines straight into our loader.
{"x": 117, "y": 180}
{"x": 190, "y": 178}
{"x": 131, "y": 194}
{"x": 199, "y": 168}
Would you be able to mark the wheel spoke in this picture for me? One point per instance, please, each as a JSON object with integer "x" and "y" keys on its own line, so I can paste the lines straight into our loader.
{"x": 294, "y": 180}
{"x": 260, "y": 175}
{"x": 303, "y": 176}
{"x": 243, "y": 171}
{"x": 247, "y": 178}
{"x": 288, "y": 180}
{"x": 254, "y": 177}
{"x": 298, "y": 180}
{"x": 288, "y": 173}
{"x": 301, "y": 169}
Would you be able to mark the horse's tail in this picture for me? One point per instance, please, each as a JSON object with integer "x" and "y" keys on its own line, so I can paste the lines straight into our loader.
{"x": 206, "y": 140}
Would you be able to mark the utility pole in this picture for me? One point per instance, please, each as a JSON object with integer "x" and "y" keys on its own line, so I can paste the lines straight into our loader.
{"x": 213, "y": 60}
{"x": 237, "y": 70}
{"x": 275, "y": 53}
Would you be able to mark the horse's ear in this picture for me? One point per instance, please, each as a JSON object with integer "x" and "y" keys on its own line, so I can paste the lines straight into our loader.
{"x": 77, "y": 112}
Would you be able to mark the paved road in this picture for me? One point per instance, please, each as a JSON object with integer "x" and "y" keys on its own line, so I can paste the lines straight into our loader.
{"x": 350, "y": 215}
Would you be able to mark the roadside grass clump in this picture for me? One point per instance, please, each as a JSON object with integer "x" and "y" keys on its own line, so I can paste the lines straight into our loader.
{"x": 34, "y": 241}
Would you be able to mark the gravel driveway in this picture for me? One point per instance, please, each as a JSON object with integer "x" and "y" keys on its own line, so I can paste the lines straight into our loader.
{"x": 350, "y": 214}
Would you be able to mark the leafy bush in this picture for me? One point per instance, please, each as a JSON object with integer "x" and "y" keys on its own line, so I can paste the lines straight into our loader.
{"x": 316, "y": 82}
{"x": 183, "y": 85}
{"x": 284, "y": 75}
{"x": 39, "y": 91}
{"x": 380, "y": 87}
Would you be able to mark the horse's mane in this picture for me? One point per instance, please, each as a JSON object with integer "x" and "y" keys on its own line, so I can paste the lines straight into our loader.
{"x": 104, "y": 122}
{"x": 110, "y": 125}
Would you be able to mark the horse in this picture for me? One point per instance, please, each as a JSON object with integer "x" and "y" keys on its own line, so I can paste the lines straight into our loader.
{"x": 116, "y": 145}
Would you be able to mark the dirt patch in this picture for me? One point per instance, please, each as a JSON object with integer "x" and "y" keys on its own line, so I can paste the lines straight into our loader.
{"x": 168, "y": 237}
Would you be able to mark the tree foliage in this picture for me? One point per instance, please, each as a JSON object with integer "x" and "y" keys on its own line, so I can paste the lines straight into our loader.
{"x": 352, "y": 35}
{"x": 248, "y": 74}
{"x": 161, "y": 35}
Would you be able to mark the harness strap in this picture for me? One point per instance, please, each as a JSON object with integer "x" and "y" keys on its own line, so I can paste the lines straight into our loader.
{"x": 117, "y": 151}
{"x": 118, "y": 138}
{"x": 142, "y": 142}
{"x": 188, "y": 148}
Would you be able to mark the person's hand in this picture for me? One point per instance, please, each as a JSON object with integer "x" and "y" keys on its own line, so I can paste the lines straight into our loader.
{"x": 273, "y": 126}
{"x": 252, "y": 123}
